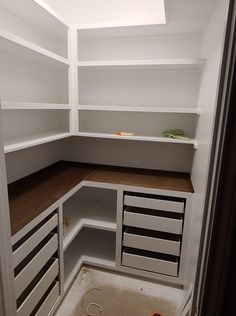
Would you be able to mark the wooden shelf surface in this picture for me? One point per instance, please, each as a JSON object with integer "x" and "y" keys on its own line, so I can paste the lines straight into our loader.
{"x": 33, "y": 194}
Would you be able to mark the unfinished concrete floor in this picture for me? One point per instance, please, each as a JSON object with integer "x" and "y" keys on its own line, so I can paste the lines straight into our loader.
{"x": 97, "y": 292}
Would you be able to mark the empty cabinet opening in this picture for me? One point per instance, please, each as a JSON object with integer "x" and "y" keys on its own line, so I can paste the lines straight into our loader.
{"x": 90, "y": 246}
{"x": 89, "y": 207}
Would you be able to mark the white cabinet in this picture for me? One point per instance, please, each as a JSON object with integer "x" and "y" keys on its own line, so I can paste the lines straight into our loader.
{"x": 153, "y": 236}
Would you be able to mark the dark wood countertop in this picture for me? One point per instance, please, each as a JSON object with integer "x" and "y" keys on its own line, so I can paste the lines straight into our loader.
{"x": 30, "y": 196}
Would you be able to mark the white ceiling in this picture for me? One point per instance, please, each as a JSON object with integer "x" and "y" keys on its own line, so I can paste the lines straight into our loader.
{"x": 182, "y": 15}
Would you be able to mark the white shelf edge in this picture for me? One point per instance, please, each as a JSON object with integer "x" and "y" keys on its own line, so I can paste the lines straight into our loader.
{"x": 37, "y": 141}
{"x": 140, "y": 138}
{"x": 52, "y": 12}
{"x": 89, "y": 223}
{"x": 11, "y": 105}
{"x": 179, "y": 62}
{"x": 33, "y": 47}
{"x": 116, "y": 24}
{"x": 150, "y": 109}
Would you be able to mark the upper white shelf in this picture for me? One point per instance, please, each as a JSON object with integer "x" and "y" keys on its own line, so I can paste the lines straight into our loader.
{"x": 15, "y": 45}
{"x": 149, "y": 109}
{"x": 140, "y": 138}
{"x": 18, "y": 143}
{"x": 159, "y": 63}
{"x": 10, "y": 105}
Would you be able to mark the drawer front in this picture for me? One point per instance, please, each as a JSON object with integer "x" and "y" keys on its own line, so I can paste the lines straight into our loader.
{"x": 22, "y": 252}
{"x": 39, "y": 290}
{"x": 150, "y": 264}
{"x": 151, "y": 244}
{"x": 163, "y": 224}
{"x": 157, "y": 204}
{"x": 24, "y": 278}
{"x": 49, "y": 301}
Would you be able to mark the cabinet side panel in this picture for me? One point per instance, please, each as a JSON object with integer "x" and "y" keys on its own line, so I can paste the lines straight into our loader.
{"x": 212, "y": 50}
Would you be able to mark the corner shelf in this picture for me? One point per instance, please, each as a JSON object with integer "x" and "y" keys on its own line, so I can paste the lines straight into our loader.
{"x": 158, "y": 63}
{"x": 13, "y": 144}
{"x": 149, "y": 109}
{"x": 88, "y": 214}
{"x": 90, "y": 247}
{"x": 12, "y": 105}
{"x": 141, "y": 138}
{"x": 13, "y": 44}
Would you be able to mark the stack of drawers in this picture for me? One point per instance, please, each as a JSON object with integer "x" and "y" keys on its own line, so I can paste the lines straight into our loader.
{"x": 36, "y": 268}
{"x": 152, "y": 233}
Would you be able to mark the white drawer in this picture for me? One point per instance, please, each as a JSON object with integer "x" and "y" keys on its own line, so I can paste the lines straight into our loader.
{"x": 153, "y": 222}
{"x": 140, "y": 260}
{"x": 150, "y": 240}
{"x": 152, "y": 203}
{"x": 39, "y": 290}
{"x": 49, "y": 301}
{"x": 23, "y": 279}
{"x": 25, "y": 248}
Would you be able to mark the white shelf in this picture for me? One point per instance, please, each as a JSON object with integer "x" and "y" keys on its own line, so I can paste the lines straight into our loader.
{"x": 159, "y": 63}
{"x": 10, "y": 105}
{"x": 141, "y": 138}
{"x": 92, "y": 247}
{"x": 88, "y": 213}
{"x": 150, "y": 109}
{"x": 15, "y": 45}
{"x": 13, "y": 144}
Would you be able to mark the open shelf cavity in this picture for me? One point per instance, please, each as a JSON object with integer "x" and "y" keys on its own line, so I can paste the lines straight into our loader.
{"x": 89, "y": 207}
{"x": 35, "y": 25}
{"x": 11, "y": 105}
{"x": 25, "y": 80}
{"x": 91, "y": 246}
{"x": 137, "y": 45}
{"x": 12, "y": 44}
{"x": 153, "y": 88}
{"x": 144, "y": 126}
{"x": 26, "y": 128}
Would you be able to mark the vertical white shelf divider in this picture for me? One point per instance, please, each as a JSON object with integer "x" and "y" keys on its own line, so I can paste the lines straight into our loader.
{"x": 73, "y": 80}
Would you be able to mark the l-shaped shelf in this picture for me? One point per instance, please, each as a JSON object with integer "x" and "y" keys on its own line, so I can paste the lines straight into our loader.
{"x": 17, "y": 143}
{"x": 148, "y": 109}
{"x": 141, "y": 138}
{"x": 159, "y": 63}
{"x": 12, "y": 44}
{"x": 11, "y": 105}
{"x": 88, "y": 214}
